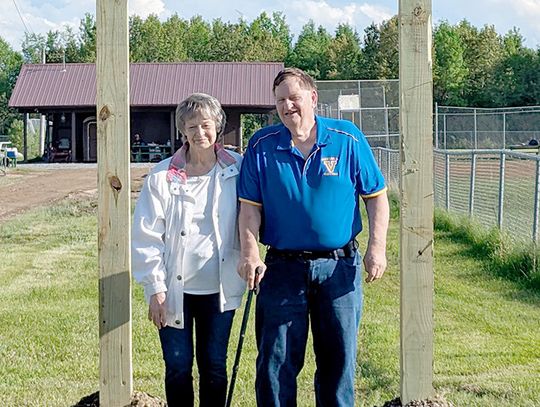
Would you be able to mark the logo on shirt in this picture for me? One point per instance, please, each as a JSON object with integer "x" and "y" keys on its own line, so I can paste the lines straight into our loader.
{"x": 330, "y": 165}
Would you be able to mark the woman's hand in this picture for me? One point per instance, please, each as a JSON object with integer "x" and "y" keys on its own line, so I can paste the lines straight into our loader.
{"x": 156, "y": 310}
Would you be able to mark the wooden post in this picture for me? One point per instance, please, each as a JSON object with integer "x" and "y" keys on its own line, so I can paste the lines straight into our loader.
{"x": 73, "y": 137}
{"x": 25, "y": 136}
{"x": 112, "y": 74}
{"x": 416, "y": 253}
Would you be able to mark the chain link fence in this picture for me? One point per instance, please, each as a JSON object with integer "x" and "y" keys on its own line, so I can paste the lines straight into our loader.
{"x": 480, "y": 128}
{"x": 498, "y": 188}
{"x": 373, "y": 105}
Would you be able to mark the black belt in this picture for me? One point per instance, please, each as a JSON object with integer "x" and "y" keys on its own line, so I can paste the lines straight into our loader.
{"x": 349, "y": 250}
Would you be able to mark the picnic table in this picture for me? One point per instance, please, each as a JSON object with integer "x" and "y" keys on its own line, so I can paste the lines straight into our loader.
{"x": 150, "y": 152}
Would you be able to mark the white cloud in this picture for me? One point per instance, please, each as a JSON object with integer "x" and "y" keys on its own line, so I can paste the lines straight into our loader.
{"x": 505, "y": 15}
{"x": 529, "y": 13}
{"x": 376, "y": 13}
{"x": 322, "y": 13}
{"x": 529, "y": 9}
{"x": 39, "y": 18}
{"x": 143, "y": 8}
{"x": 43, "y": 16}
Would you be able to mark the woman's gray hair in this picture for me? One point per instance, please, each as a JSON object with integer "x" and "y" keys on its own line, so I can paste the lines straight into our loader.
{"x": 201, "y": 103}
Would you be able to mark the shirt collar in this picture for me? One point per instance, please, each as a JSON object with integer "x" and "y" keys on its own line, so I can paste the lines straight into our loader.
{"x": 177, "y": 165}
{"x": 285, "y": 138}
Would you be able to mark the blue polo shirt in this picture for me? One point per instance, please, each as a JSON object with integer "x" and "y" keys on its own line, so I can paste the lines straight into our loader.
{"x": 313, "y": 203}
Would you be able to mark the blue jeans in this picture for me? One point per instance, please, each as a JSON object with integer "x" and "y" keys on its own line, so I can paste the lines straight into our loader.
{"x": 293, "y": 293}
{"x": 212, "y": 331}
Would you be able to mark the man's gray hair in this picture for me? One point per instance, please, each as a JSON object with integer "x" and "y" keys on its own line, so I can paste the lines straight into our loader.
{"x": 203, "y": 104}
{"x": 306, "y": 81}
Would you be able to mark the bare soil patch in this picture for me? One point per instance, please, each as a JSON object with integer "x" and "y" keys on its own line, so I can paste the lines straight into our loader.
{"x": 437, "y": 401}
{"x": 138, "y": 399}
{"x": 27, "y": 189}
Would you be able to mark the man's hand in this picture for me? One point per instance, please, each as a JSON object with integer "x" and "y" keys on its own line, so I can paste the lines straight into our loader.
{"x": 156, "y": 310}
{"x": 247, "y": 267}
{"x": 374, "y": 262}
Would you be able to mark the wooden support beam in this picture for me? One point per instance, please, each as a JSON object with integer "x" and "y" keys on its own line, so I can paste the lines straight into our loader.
{"x": 112, "y": 74}
{"x": 416, "y": 252}
{"x": 25, "y": 136}
{"x": 73, "y": 137}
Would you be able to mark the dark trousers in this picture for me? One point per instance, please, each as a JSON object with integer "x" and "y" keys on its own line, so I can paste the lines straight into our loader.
{"x": 325, "y": 292}
{"x": 212, "y": 330}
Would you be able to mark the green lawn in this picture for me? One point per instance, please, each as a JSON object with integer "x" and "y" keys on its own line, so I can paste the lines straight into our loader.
{"x": 487, "y": 336}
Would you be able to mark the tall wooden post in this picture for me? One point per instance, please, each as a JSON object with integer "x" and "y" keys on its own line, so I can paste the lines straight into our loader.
{"x": 416, "y": 254}
{"x": 26, "y": 116}
{"x": 112, "y": 73}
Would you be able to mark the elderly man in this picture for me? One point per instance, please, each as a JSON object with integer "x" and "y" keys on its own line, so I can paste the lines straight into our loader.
{"x": 300, "y": 186}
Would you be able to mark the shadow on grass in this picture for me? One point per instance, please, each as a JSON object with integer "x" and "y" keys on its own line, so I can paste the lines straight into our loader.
{"x": 517, "y": 262}
{"x": 377, "y": 379}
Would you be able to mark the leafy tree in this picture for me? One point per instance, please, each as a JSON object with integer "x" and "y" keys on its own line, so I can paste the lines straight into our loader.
{"x": 311, "y": 51}
{"x": 228, "y": 41}
{"x": 87, "y": 39}
{"x": 7, "y": 115}
{"x": 380, "y": 51}
{"x": 10, "y": 65}
{"x": 449, "y": 71}
{"x": 371, "y": 58}
{"x": 174, "y": 31}
{"x": 389, "y": 49}
{"x": 344, "y": 53}
{"x": 516, "y": 80}
{"x": 269, "y": 38}
{"x": 147, "y": 39}
{"x": 482, "y": 52}
{"x": 71, "y": 45}
{"x": 197, "y": 39}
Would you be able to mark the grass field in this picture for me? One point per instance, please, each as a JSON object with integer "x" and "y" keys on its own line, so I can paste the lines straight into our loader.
{"x": 487, "y": 337}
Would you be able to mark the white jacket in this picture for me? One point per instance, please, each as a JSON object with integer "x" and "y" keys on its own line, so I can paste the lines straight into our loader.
{"x": 163, "y": 214}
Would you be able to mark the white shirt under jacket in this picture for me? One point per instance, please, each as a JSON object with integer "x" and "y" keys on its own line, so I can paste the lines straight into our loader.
{"x": 162, "y": 217}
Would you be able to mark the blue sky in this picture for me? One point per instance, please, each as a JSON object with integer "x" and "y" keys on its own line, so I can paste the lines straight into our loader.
{"x": 42, "y": 15}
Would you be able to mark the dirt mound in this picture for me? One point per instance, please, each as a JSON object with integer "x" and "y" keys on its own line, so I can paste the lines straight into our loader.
{"x": 138, "y": 399}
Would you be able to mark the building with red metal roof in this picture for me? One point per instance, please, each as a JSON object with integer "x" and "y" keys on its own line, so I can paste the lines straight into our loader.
{"x": 66, "y": 95}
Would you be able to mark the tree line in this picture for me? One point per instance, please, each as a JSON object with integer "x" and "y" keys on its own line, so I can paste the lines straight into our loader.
{"x": 471, "y": 66}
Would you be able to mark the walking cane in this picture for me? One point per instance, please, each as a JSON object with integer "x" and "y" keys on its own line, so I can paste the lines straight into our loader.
{"x": 241, "y": 338}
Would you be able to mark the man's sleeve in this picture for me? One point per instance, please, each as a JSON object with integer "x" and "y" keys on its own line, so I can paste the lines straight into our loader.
{"x": 249, "y": 190}
{"x": 370, "y": 179}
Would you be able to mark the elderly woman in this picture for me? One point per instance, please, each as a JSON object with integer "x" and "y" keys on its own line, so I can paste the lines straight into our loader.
{"x": 185, "y": 251}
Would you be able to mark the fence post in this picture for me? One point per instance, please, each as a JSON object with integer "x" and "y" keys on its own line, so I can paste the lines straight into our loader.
{"x": 536, "y": 202}
{"x": 501, "y": 190}
{"x": 447, "y": 179}
{"x": 444, "y": 131}
{"x": 504, "y": 131}
{"x": 475, "y": 132}
{"x": 436, "y": 125}
{"x": 387, "y": 162}
{"x": 26, "y": 116}
{"x": 473, "y": 178}
{"x": 359, "y": 104}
